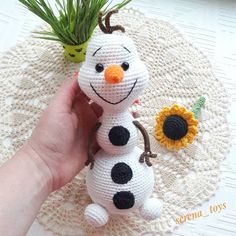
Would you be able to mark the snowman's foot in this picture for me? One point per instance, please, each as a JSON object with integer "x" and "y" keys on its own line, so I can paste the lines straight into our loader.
{"x": 96, "y": 215}
{"x": 151, "y": 209}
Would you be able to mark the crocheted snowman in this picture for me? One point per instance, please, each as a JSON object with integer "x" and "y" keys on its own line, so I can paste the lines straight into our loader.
{"x": 120, "y": 178}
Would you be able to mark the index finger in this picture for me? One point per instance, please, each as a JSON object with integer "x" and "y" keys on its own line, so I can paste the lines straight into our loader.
{"x": 64, "y": 97}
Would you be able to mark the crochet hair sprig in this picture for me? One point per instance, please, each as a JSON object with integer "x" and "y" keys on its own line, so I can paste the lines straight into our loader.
{"x": 107, "y": 28}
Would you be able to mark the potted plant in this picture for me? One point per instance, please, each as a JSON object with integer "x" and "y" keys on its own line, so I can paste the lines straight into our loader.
{"x": 72, "y": 23}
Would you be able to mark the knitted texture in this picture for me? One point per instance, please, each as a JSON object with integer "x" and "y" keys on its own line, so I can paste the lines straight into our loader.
{"x": 176, "y": 127}
{"x": 197, "y": 106}
{"x": 114, "y": 76}
{"x": 110, "y": 51}
{"x": 101, "y": 187}
{"x": 96, "y": 215}
{"x": 31, "y": 72}
{"x": 121, "y": 173}
{"x": 151, "y": 209}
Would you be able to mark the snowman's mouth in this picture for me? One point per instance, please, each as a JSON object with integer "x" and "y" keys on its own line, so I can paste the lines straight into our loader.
{"x": 114, "y": 103}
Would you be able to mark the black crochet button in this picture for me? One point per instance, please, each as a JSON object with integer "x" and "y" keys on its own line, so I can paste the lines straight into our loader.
{"x": 99, "y": 67}
{"x": 175, "y": 127}
{"x": 121, "y": 173}
{"x": 125, "y": 66}
{"x": 119, "y": 136}
{"x": 123, "y": 200}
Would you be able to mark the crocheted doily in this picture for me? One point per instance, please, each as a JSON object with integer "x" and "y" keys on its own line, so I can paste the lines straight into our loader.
{"x": 30, "y": 74}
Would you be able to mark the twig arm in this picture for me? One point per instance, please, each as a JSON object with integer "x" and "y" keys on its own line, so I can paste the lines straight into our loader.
{"x": 90, "y": 145}
{"x": 147, "y": 148}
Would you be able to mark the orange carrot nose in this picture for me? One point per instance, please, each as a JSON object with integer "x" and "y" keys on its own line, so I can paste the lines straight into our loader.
{"x": 114, "y": 74}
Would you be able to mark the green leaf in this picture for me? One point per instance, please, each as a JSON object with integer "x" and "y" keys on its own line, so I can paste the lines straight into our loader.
{"x": 48, "y": 38}
{"x": 74, "y": 20}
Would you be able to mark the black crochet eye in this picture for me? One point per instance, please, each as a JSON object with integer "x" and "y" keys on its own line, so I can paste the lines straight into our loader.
{"x": 125, "y": 66}
{"x": 99, "y": 67}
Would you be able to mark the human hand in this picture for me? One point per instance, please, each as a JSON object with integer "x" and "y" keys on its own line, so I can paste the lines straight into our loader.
{"x": 61, "y": 135}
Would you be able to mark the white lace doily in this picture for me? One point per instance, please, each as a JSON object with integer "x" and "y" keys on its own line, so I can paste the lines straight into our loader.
{"x": 30, "y": 74}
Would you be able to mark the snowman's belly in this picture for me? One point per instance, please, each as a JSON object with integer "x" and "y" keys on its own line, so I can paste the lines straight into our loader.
{"x": 120, "y": 183}
{"x": 117, "y": 134}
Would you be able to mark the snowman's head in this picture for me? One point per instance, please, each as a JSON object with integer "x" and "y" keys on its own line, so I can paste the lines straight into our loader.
{"x": 112, "y": 75}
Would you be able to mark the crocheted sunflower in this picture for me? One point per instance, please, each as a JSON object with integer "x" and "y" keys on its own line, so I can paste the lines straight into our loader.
{"x": 176, "y": 126}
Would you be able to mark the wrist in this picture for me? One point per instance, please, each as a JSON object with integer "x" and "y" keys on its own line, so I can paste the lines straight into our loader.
{"x": 38, "y": 167}
{"x": 26, "y": 185}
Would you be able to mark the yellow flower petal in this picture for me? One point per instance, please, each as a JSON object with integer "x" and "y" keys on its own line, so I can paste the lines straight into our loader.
{"x": 175, "y": 109}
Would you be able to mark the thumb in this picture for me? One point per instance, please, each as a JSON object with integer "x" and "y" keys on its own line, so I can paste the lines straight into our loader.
{"x": 64, "y": 97}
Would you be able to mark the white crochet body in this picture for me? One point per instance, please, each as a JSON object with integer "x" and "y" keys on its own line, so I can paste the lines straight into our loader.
{"x": 118, "y": 183}
{"x": 108, "y": 121}
{"x": 101, "y": 188}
